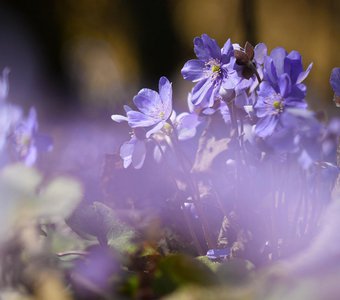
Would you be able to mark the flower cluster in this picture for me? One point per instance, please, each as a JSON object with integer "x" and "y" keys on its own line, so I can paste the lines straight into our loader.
{"x": 247, "y": 85}
{"x": 19, "y": 134}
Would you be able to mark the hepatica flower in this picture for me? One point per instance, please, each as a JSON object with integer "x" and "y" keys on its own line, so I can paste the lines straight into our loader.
{"x": 213, "y": 68}
{"x": 281, "y": 89}
{"x": 154, "y": 108}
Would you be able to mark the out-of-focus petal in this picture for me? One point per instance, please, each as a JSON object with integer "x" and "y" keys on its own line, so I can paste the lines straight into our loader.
{"x": 139, "y": 154}
{"x": 119, "y": 118}
{"x": 266, "y": 126}
{"x": 260, "y": 52}
{"x": 335, "y": 80}
{"x": 126, "y": 151}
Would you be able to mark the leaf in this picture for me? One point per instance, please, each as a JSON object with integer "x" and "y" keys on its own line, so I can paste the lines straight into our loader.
{"x": 174, "y": 271}
{"x": 101, "y": 221}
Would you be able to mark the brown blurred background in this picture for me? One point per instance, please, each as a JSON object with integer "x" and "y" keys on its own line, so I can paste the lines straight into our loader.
{"x": 93, "y": 55}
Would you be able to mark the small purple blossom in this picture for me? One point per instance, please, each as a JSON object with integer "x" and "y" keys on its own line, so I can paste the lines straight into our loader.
{"x": 154, "y": 108}
{"x": 213, "y": 69}
{"x": 281, "y": 89}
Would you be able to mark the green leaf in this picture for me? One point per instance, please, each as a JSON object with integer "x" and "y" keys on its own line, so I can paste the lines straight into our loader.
{"x": 174, "y": 271}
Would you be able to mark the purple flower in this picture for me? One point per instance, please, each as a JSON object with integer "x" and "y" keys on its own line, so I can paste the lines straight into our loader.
{"x": 154, "y": 108}
{"x": 281, "y": 89}
{"x": 335, "y": 83}
{"x": 213, "y": 68}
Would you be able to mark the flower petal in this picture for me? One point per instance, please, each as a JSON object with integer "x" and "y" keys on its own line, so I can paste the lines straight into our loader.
{"x": 165, "y": 92}
{"x": 137, "y": 119}
{"x": 154, "y": 129}
{"x": 278, "y": 56}
{"x": 126, "y": 151}
{"x": 193, "y": 70}
{"x": 212, "y": 50}
{"x": 148, "y": 102}
{"x": 285, "y": 85}
{"x": 266, "y": 126}
{"x": 302, "y": 76}
{"x": 335, "y": 80}
{"x": 260, "y": 52}
{"x": 119, "y": 118}
{"x": 138, "y": 155}
{"x": 227, "y": 52}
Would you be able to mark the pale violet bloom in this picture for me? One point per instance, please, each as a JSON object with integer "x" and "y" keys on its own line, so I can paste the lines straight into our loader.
{"x": 154, "y": 108}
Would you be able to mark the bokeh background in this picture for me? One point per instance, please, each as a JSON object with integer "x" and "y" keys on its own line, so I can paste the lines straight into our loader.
{"x": 90, "y": 56}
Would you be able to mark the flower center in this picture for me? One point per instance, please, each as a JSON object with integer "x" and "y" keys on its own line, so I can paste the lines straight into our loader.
{"x": 277, "y": 105}
{"x": 215, "y": 68}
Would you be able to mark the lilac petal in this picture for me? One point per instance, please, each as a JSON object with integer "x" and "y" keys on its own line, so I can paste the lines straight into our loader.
{"x": 269, "y": 68}
{"x": 193, "y": 70}
{"x": 212, "y": 47}
{"x": 293, "y": 65}
{"x": 187, "y": 124}
{"x": 127, "y": 108}
{"x": 335, "y": 80}
{"x": 200, "y": 50}
{"x": 266, "y": 89}
{"x": 266, "y": 126}
{"x": 147, "y": 101}
{"x": 285, "y": 85}
{"x": 241, "y": 99}
{"x": 260, "y": 52}
{"x": 119, "y": 118}
{"x": 137, "y": 119}
{"x": 126, "y": 151}
{"x": 302, "y": 76}
{"x": 227, "y": 51}
{"x": 295, "y": 103}
{"x": 202, "y": 91}
{"x": 138, "y": 155}
{"x": 165, "y": 92}
{"x": 31, "y": 156}
{"x": 154, "y": 129}
{"x": 278, "y": 56}
{"x": 230, "y": 82}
